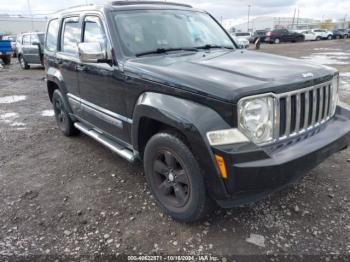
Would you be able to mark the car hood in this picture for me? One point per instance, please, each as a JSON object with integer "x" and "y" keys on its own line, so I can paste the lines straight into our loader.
{"x": 228, "y": 75}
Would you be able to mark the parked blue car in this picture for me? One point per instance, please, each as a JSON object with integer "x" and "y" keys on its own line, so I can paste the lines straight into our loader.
{"x": 6, "y": 51}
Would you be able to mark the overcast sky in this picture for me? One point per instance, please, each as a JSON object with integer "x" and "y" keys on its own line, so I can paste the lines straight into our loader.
{"x": 227, "y": 9}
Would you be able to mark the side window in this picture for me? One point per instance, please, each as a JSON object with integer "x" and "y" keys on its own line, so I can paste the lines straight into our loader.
{"x": 34, "y": 38}
{"x": 93, "y": 31}
{"x": 52, "y": 35}
{"x": 71, "y": 35}
{"x": 26, "y": 40}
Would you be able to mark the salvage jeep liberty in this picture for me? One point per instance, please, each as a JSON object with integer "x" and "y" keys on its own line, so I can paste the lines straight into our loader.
{"x": 213, "y": 124}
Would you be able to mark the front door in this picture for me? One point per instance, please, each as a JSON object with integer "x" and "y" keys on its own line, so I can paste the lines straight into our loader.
{"x": 101, "y": 86}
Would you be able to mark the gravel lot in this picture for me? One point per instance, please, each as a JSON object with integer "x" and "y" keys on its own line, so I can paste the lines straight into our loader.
{"x": 71, "y": 196}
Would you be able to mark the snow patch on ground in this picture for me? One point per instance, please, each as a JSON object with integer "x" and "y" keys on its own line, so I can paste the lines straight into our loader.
{"x": 10, "y": 115}
{"x": 11, "y": 99}
{"x": 9, "y": 118}
{"x": 326, "y": 49}
{"x": 345, "y": 74}
{"x": 329, "y": 58}
{"x": 48, "y": 113}
{"x": 17, "y": 124}
{"x": 345, "y": 81}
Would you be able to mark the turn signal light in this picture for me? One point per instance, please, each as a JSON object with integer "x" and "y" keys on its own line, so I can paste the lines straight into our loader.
{"x": 221, "y": 164}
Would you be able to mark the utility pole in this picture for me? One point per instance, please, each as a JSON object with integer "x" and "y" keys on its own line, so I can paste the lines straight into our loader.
{"x": 295, "y": 10}
{"x": 298, "y": 18}
{"x": 249, "y": 6}
{"x": 30, "y": 14}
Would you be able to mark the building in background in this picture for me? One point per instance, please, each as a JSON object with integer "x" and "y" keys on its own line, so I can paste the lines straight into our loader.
{"x": 342, "y": 24}
{"x": 268, "y": 23}
{"x": 18, "y": 24}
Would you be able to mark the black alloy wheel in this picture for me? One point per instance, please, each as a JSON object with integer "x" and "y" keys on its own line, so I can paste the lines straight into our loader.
{"x": 171, "y": 179}
{"x": 63, "y": 119}
{"x": 61, "y": 116}
{"x": 174, "y": 177}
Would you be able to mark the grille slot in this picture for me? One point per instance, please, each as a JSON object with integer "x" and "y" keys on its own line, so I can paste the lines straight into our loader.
{"x": 302, "y": 110}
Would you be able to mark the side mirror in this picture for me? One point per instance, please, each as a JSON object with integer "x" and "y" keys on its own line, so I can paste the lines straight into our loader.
{"x": 91, "y": 52}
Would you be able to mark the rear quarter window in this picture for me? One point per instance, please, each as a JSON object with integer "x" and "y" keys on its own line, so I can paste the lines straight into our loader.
{"x": 52, "y": 35}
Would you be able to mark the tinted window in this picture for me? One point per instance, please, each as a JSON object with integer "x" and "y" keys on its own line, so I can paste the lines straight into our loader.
{"x": 93, "y": 31}
{"x": 26, "y": 40}
{"x": 52, "y": 35}
{"x": 71, "y": 36}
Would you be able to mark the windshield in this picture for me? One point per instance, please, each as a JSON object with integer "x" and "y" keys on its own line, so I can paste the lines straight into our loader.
{"x": 143, "y": 31}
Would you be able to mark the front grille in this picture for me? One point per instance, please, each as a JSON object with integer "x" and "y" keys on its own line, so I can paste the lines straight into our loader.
{"x": 302, "y": 110}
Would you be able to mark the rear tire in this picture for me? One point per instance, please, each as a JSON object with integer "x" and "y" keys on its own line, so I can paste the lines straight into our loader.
{"x": 276, "y": 41}
{"x": 24, "y": 65}
{"x": 6, "y": 59}
{"x": 64, "y": 122}
{"x": 346, "y": 36}
{"x": 318, "y": 38}
{"x": 174, "y": 177}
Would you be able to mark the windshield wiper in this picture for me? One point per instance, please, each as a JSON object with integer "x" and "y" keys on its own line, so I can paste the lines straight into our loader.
{"x": 208, "y": 46}
{"x": 165, "y": 50}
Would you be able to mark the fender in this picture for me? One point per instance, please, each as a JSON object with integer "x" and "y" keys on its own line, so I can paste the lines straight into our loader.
{"x": 54, "y": 75}
{"x": 191, "y": 119}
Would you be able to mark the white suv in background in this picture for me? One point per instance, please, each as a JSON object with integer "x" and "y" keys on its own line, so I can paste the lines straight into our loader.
{"x": 323, "y": 33}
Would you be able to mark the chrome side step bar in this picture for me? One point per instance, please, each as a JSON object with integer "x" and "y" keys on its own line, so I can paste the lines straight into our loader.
{"x": 116, "y": 148}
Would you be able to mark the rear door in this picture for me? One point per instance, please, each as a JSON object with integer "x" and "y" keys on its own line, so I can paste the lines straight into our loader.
{"x": 34, "y": 49}
{"x": 67, "y": 59}
{"x": 26, "y": 48}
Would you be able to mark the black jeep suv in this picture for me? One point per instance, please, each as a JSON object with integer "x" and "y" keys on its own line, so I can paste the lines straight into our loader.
{"x": 164, "y": 83}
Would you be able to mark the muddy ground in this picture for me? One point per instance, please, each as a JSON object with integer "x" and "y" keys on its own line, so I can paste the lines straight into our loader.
{"x": 73, "y": 197}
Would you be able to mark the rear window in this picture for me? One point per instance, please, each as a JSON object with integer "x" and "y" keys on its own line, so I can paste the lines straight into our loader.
{"x": 52, "y": 35}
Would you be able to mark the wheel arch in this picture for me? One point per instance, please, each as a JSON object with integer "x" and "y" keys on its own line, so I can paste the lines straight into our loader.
{"x": 54, "y": 80}
{"x": 154, "y": 112}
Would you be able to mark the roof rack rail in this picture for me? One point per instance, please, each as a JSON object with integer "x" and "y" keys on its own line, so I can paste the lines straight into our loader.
{"x": 148, "y": 3}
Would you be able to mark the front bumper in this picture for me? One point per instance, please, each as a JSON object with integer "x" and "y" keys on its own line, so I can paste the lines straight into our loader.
{"x": 254, "y": 172}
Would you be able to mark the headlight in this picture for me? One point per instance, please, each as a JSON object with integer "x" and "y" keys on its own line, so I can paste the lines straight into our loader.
{"x": 335, "y": 96}
{"x": 256, "y": 118}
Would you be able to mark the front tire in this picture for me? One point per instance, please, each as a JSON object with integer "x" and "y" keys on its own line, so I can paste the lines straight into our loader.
{"x": 174, "y": 177}
{"x": 276, "y": 41}
{"x": 64, "y": 122}
{"x": 329, "y": 37}
{"x": 346, "y": 36}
